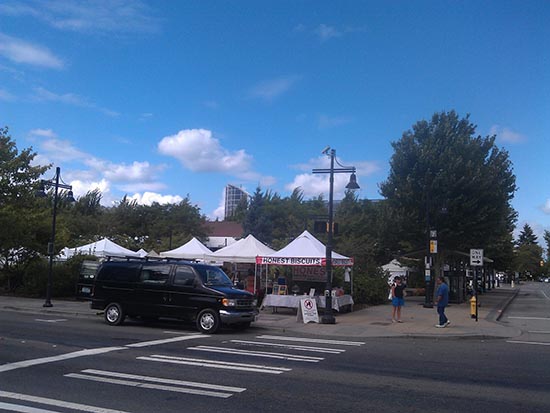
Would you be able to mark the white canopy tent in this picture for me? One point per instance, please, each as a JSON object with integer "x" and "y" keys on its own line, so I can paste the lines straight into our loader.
{"x": 395, "y": 268}
{"x": 244, "y": 250}
{"x": 102, "y": 248}
{"x": 306, "y": 250}
{"x": 191, "y": 250}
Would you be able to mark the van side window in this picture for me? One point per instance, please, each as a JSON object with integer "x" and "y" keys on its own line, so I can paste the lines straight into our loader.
{"x": 184, "y": 275}
{"x": 155, "y": 274}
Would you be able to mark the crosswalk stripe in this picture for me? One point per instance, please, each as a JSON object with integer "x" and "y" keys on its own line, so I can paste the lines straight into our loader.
{"x": 57, "y": 403}
{"x": 257, "y": 354}
{"x": 215, "y": 364}
{"x": 291, "y": 346}
{"x": 528, "y": 342}
{"x": 313, "y": 340}
{"x": 23, "y": 409}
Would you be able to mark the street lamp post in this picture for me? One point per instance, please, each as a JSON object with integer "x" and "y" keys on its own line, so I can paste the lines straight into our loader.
{"x": 328, "y": 316}
{"x": 53, "y": 183}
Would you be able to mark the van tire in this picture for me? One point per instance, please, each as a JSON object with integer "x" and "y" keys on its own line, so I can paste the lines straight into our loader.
{"x": 114, "y": 315}
{"x": 208, "y": 321}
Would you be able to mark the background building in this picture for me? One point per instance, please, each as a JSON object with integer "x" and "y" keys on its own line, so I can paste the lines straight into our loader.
{"x": 233, "y": 196}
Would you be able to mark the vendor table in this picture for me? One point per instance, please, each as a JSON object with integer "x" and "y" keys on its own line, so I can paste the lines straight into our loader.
{"x": 293, "y": 301}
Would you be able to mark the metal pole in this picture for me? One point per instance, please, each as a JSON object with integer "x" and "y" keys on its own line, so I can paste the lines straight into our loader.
{"x": 51, "y": 244}
{"x": 328, "y": 316}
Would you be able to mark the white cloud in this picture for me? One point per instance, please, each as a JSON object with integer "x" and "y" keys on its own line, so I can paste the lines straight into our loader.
{"x": 271, "y": 89}
{"x": 327, "y": 32}
{"x": 507, "y": 135}
{"x": 136, "y": 172}
{"x": 199, "y": 151}
{"x": 20, "y": 51}
{"x": 71, "y": 99}
{"x": 148, "y": 198}
{"x": 546, "y": 207}
{"x": 313, "y": 185}
{"x": 46, "y": 133}
{"x": 97, "y": 17}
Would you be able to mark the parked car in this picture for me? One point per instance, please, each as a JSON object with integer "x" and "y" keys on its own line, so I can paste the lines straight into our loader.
{"x": 172, "y": 289}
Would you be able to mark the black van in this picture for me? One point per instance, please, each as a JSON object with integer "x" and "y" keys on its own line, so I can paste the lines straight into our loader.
{"x": 173, "y": 289}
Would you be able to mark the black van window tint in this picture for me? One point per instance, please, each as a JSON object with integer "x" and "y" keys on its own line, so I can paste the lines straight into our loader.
{"x": 184, "y": 275}
{"x": 214, "y": 276}
{"x": 157, "y": 274}
{"x": 119, "y": 272}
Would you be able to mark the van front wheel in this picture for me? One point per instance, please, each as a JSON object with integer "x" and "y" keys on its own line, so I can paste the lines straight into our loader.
{"x": 208, "y": 321}
{"x": 114, "y": 315}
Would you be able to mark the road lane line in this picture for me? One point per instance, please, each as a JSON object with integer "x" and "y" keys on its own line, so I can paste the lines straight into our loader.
{"x": 313, "y": 340}
{"x": 61, "y": 357}
{"x": 538, "y": 343}
{"x": 257, "y": 354}
{"x": 548, "y": 298}
{"x": 530, "y": 318}
{"x": 57, "y": 403}
{"x": 539, "y": 332}
{"x": 142, "y": 385}
{"x": 23, "y": 409}
{"x": 291, "y": 346}
{"x": 216, "y": 364}
{"x": 50, "y": 321}
{"x": 165, "y": 341}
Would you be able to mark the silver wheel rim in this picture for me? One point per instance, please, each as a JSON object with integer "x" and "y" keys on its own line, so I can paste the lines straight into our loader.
{"x": 207, "y": 321}
{"x": 113, "y": 314}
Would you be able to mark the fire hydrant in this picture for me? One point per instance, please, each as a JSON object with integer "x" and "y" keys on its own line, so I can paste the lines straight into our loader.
{"x": 473, "y": 305}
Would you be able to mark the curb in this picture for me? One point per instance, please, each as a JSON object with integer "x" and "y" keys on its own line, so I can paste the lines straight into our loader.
{"x": 506, "y": 304}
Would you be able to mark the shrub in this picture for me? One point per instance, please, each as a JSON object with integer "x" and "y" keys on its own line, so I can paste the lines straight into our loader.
{"x": 371, "y": 289}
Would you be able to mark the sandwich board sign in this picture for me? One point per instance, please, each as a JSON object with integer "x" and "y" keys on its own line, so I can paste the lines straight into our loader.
{"x": 476, "y": 257}
{"x": 308, "y": 310}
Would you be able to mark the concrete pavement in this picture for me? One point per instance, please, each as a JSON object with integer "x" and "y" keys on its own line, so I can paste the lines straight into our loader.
{"x": 372, "y": 321}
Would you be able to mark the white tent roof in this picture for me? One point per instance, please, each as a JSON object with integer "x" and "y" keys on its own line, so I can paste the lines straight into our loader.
{"x": 101, "y": 248}
{"x": 304, "y": 250}
{"x": 192, "y": 250}
{"x": 142, "y": 253}
{"x": 395, "y": 267}
{"x": 245, "y": 250}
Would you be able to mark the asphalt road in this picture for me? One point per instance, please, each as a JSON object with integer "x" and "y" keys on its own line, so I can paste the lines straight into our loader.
{"x": 65, "y": 364}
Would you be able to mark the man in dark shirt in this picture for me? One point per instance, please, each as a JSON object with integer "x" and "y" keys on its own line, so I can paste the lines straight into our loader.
{"x": 442, "y": 302}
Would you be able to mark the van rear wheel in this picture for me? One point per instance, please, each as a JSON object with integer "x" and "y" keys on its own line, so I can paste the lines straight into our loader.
{"x": 208, "y": 321}
{"x": 114, "y": 315}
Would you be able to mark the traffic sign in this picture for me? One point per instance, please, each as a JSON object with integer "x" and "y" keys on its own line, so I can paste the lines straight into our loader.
{"x": 476, "y": 257}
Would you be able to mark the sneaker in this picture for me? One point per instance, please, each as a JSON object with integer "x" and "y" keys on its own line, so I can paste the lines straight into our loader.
{"x": 447, "y": 323}
{"x": 392, "y": 320}
{"x": 440, "y": 326}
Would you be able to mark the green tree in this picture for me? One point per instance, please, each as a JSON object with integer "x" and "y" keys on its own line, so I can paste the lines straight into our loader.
{"x": 442, "y": 176}
{"x": 528, "y": 253}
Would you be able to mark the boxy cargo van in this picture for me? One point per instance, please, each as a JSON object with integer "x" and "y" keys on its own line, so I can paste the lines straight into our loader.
{"x": 173, "y": 289}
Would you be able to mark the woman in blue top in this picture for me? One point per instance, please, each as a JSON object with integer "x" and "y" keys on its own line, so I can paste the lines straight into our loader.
{"x": 397, "y": 299}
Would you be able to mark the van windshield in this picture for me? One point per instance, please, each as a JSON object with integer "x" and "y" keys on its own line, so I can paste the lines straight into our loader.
{"x": 214, "y": 276}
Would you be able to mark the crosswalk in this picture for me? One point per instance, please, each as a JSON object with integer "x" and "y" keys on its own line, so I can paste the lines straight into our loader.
{"x": 263, "y": 354}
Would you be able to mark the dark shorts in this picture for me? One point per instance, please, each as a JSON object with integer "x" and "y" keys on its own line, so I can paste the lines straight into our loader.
{"x": 397, "y": 302}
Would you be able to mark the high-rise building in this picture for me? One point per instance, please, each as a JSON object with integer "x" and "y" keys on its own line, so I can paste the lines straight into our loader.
{"x": 233, "y": 196}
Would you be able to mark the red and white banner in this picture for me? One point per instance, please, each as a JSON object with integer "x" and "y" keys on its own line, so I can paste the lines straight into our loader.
{"x": 311, "y": 261}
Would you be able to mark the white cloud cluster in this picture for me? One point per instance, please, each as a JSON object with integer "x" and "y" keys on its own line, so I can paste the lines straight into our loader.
{"x": 314, "y": 185}
{"x": 507, "y": 135}
{"x": 273, "y": 88}
{"x": 42, "y": 94}
{"x": 546, "y": 207}
{"x": 198, "y": 151}
{"x": 100, "y": 16}
{"x": 148, "y": 198}
{"x": 20, "y": 51}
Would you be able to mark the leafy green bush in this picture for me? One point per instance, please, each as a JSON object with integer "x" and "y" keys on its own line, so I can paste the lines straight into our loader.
{"x": 371, "y": 289}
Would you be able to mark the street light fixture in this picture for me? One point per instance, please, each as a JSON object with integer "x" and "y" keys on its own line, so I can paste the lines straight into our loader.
{"x": 53, "y": 183}
{"x": 328, "y": 316}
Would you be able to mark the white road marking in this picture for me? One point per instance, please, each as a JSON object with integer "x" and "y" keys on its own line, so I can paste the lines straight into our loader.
{"x": 538, "y": 343}
{"x": 291, "y": 346}
{"x": 24, "y": 409}
{"x": 313, "y": 340}
{"x": 165, "y": 341}
{"x": 50, "y": 321}
{"x": 57, "y": 403}
{"x": 216, "y": 364}
{"x": 44, "y": 360}
{"x": 91, "y": 352}
{"x": 142, "y": 382}
{"x": 257, "y": 354}
{"x": 548, "y": 298}
{"x": 539, "y": 332}
{"x": 530, "y": 318}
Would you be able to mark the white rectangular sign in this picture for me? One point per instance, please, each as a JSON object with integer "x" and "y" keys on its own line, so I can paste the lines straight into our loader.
{"x": 476, "y": 257}
{"x": 308, "y": 310}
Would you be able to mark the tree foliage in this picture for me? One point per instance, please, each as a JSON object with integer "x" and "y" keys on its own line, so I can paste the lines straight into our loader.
{"x": 442, "y": 176}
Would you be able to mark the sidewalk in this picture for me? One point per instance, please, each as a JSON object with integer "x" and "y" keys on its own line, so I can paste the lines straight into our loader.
{"x": 369, "y": 322}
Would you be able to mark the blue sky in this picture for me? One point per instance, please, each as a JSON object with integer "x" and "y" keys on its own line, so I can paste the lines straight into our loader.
{"x": 166, "y": 99}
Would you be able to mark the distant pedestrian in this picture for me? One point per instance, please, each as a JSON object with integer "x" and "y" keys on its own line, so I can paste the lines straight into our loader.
{"x": 397, "y": 299}
{"x": 442, "y": 302}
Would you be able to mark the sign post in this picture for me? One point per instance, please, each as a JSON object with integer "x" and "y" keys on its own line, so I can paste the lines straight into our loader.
{"x": 476, "y": 260}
